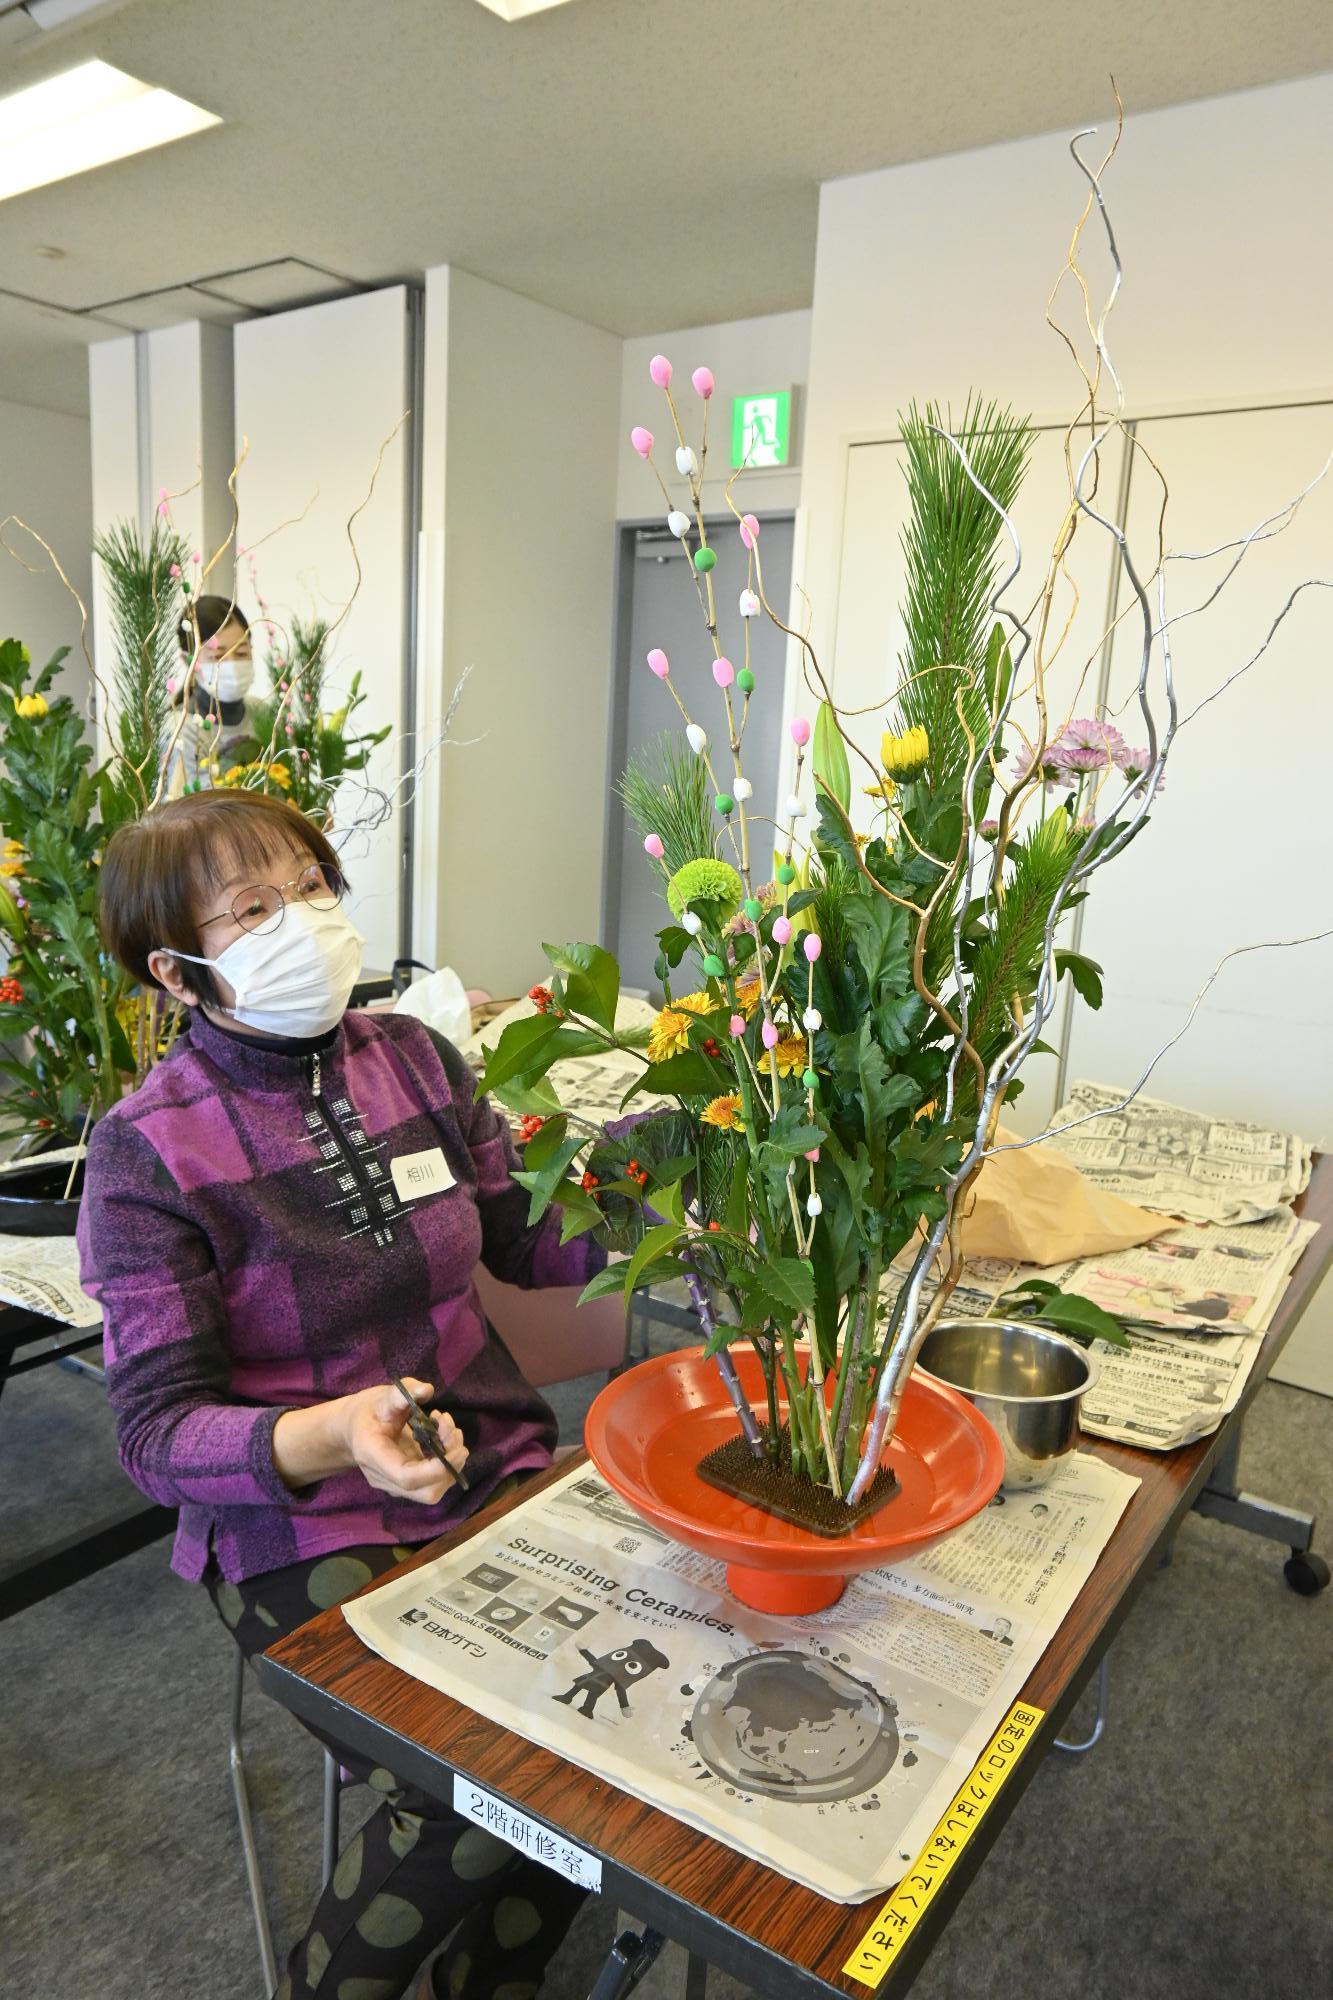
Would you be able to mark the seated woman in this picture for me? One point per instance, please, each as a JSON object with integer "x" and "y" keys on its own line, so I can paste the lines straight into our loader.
{"x": 218, "y": 727}
{"x": 263, "y": 1272}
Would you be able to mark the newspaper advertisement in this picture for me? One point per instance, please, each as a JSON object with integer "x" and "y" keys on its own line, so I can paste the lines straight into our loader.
{"x": 1181, "y": 1162}
{"x": 825, "y": 1747}
{"x": 42, "y": 1273}
{"x": 1210, "y": 1295}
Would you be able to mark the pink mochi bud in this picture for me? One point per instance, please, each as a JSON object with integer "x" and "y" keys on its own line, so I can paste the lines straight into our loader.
{"x": 660, "y": 370}
{"x": 813, "y": 946}
{"x": 658, "y": 663}
{"x": 702, "y": 379}
{"x": 723, "y": 671}
{"x": 769, "y": 1035}
{"x": 642, "y": 440}
{"x": 749, "y": 530}
{"x": 782, "y": 930}
{"x": 653, "y": 845}
{"x": 813, "y": 1156}
{"x": 736, "y": 1027}
{"x": 800, "y": 732}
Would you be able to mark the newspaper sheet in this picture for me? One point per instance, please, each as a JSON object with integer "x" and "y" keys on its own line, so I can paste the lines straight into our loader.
{"x": 1211, "y": 1294}
{"x": 825, "y": 1747}
{"x": 42, "y": 1273}
{"x": 1181, "y": 1162}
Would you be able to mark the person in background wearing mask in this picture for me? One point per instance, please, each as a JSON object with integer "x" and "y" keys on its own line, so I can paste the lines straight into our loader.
{"x": 219, "y": 727}
{"x": 264, "y": 1267}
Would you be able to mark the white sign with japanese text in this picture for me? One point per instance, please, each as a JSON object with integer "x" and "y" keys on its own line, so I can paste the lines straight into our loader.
{"x": 506, "y": 1822}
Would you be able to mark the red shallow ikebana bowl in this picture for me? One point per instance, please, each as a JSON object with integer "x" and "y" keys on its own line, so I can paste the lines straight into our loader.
{"x": 648, "y": 1429}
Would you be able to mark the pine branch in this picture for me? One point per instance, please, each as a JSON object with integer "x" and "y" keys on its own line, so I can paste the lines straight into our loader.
{"x": 147, "y": 603}
{"x": 665, "y": 791}
{"x": 953, "y": 556}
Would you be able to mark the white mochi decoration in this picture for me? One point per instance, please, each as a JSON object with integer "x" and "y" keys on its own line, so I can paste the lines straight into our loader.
{"x": 742, "y": 789}
{"x": 678, "y": 523}
{"x": 689, "y": 922}
{"x": 686, "y": 462}
{"x": 812, "y": 1019}
{"x": 750, "y": 606}
{"x": 813, "y": 1205}
{"x": 696, "y": 738}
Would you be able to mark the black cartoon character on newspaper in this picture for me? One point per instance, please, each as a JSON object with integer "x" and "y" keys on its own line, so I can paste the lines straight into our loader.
{"x": 620, "y": 1670}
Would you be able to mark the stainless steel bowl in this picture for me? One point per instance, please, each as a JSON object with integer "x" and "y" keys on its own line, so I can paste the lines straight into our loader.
{"x": 1026, "y": 1381}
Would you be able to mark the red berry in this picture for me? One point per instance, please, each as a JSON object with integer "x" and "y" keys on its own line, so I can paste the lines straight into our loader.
{"x": 717, "y": 1226}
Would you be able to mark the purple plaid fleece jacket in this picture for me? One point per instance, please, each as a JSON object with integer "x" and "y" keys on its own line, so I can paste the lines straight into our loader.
{"x": 241, "y": 1228}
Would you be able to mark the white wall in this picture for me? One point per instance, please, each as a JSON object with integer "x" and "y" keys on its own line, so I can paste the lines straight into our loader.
{"x": 319, "y": 392}
{"x": 772, "y": 352}
{"x": 46, "y": 478}
{"x": 518, "y": 512}
{"x": 932, "y": 279}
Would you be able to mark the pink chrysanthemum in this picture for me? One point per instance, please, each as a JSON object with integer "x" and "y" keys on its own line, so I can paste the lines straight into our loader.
{"x": 1088, "y": 745}
{"x": 1052, "y": 768}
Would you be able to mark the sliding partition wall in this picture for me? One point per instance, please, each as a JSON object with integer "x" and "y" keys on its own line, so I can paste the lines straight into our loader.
{"x": 323, "y": 401}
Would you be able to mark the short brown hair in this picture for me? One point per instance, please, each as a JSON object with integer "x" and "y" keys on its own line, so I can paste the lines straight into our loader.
{"x": 156, "y": 868}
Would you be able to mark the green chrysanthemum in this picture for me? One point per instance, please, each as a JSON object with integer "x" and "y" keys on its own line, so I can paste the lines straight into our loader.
{"x": 705, "y": 882}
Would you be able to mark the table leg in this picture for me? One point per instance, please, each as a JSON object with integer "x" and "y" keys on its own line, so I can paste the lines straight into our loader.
{"x": 696, "y": 1977}
{"x": 626, "y": 1962}
{"x": 59, "y": 1564}
{"x": 1222, "y": 1500}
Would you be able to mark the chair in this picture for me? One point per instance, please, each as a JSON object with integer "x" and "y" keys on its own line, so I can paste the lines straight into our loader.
{"x": 552, "y": 1339}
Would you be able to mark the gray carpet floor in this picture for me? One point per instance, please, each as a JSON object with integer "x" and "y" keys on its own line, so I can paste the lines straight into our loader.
{"x": 1186, "y": 1858}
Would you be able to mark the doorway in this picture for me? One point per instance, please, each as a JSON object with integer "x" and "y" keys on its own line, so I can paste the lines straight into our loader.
{"x": 659, "y": 607}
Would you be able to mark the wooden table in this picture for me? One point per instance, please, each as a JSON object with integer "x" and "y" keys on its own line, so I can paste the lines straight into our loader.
{"x": 781, "y": 1939}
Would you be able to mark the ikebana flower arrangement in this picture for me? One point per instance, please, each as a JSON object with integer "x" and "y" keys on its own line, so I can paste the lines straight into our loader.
{"x": 843, "y": 1014}
{"x": 80, "y": 1034}
{"x": 843, "y": 1024}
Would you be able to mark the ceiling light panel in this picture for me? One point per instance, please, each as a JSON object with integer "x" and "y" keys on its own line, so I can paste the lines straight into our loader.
{"x": 85, "y": 118}
{"x": 518, "y": 10}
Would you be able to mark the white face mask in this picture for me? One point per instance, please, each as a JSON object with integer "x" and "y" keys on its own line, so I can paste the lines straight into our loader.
{"x": 296, "y": 980}
{"x": 228, "y": 679}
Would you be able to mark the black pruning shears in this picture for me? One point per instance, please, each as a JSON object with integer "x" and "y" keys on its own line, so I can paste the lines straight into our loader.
{"x": 426, "y": 1435}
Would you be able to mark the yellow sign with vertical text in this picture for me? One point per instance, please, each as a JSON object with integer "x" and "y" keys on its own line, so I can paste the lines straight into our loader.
{"x": 919, "y": 1887}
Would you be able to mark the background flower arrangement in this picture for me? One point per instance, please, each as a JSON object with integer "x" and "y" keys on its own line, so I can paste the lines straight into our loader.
{"x": 84, "y": 1035}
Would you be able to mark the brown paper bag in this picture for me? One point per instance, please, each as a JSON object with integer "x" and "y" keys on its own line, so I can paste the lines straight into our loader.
{"x": 1034, "y": 1205}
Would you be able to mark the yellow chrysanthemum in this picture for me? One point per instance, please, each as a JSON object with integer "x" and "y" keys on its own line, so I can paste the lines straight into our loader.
{"x": 32, "y": 707}
{"x": 280, "y": 775}
{"x": 15, "y": 857}
{"x": 670, "y": 1032}
{"x": 904, "y": 756}
{"x": 747, "y": 995}
{"x": 724, "y": 1112}
{"x": 788, "y": 1056}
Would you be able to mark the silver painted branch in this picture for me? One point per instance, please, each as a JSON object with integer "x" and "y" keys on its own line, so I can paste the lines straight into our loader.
{"x": 703, "y": 1307}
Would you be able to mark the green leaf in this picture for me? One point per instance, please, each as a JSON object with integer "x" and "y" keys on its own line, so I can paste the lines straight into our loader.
{"x": 527, "y": 1098}
{"x": 1071, "y": 1313}
{"x": 1085, "y": 973}
{"x": 542, "y": 1184}
{"x": 1040, "y": 1288}
{"x": 610, "y": 1279}
{"x": 545, "y": 1143}
{"x": 883, "y": 942}
{"x": 655, "y": 1241}
{"x": 829, "y": 757}
{"x": 683, "y": 1075}
{"x": 518, "y": 1052}
{"x": 592, "y": 979}
{"x": 786, "y": 1285}
{"x": 723, "y": 1334}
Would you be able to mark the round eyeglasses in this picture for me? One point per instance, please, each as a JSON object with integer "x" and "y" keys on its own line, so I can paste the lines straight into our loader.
{"x": 262, "y": 908}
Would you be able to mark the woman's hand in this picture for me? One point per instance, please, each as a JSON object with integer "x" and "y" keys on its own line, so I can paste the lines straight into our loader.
{"x": 368, "y": 1431}
{"x": 380, "y": 1444}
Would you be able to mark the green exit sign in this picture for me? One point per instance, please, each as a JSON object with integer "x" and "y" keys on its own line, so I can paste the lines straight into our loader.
{"x": 761, "y": 428}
